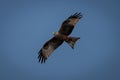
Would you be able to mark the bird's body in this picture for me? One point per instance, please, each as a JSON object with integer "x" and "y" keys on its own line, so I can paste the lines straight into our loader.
{"x": 59, "y": 37}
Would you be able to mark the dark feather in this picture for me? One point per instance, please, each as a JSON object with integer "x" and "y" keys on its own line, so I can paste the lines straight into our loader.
{"x": 69, "y": 23}
{"x": 48, "y": 48}
{"x": 76, "y": 15}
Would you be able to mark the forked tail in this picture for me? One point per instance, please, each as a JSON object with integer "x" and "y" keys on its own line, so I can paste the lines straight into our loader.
{"x": 71, "y": 41}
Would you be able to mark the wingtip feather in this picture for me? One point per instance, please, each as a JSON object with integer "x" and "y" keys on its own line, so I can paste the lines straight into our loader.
{"x": 41, "y": 58}
{"x": 76, "y": 15}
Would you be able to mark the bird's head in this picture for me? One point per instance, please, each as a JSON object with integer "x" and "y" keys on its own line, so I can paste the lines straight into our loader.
{"x": 55, "y": 33}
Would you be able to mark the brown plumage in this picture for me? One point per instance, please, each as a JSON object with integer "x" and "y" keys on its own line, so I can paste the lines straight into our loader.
{"x": 59, "y": 37}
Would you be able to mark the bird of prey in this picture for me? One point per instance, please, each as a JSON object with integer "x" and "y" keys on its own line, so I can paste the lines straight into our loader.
{"x": 59, "y": 37}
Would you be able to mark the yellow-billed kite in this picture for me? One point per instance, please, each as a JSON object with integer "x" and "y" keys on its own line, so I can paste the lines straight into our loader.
{"x": 59, "y": 37}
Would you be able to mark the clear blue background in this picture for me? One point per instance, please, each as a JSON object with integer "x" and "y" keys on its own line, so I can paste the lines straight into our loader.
{"x": 26, "y": 25}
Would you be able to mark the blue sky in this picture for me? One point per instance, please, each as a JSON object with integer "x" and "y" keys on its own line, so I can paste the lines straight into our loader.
{"x": 26, "y": 25}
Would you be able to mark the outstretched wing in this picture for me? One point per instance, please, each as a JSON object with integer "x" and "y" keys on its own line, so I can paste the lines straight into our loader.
{"x": 68, "y": 24}
{"x": 48, "y": 48}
